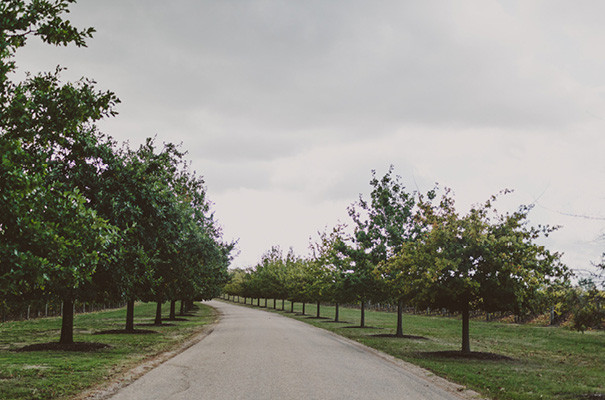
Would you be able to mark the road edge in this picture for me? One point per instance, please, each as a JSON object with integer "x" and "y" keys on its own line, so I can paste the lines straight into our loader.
{"x": 451, "y": 387}
{"x": 108, "y": 389}
{"x": 448, "y": 386}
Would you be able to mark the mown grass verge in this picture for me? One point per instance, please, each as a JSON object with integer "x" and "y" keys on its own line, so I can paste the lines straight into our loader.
{"x": 547, "y": 362}
{"x": 63, "y": 374}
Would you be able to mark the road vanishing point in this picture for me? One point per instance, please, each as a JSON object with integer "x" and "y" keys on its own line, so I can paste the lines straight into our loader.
{"x": 255, "y": 355}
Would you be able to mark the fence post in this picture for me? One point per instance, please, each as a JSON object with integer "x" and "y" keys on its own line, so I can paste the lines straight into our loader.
{"x": 552, "y": 315}
{"x": 29, "y": 307}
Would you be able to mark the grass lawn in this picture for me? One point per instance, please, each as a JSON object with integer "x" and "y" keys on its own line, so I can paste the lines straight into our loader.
{"x": 62, "y": 374}
{"x": 548, "y": 362}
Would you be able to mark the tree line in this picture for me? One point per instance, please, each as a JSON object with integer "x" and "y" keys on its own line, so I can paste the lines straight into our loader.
{"x": 417, "y": 250}
{"x": 81, "y": 216}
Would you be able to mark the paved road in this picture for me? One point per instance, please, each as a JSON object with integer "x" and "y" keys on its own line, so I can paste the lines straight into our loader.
{"x": 258, "y": 355}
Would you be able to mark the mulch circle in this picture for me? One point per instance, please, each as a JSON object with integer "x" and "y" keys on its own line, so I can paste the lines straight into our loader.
{"x": 55, "y": 346}
{"x": 392, "y": 335}
{"x": 152, "y": 324}
{"x": 473, "y": 355}
{"x": 125, "y": 332}
{"x": 592, "y": 396}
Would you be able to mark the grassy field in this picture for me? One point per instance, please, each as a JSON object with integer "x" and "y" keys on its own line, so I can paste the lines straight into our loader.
{"x": 61, "y": 374}
{"x": 547, "y": 362}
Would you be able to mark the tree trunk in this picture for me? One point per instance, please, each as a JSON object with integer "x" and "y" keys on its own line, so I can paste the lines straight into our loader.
{"x": 303, "y": 310}
{"x": 292, "y": 307}
{"x": 318, "y": 313}
{"x": 283, "y": 302}
{"x": 466, "y": 344}
{"x": 274, "y": 303}
{"x": 172, "y": 310}
{"x": 130, "y": 316}
{"x": 265, "y": 302}
{"x": 258, "y": 302}
{"x": 336, "y": 314}
{"x": 158, "y": 314}
{"x": 182, "y": 311}
{"x": 67, "y": 322}
{"x": 363, "y": 314}
{"x": 399, "y": 332}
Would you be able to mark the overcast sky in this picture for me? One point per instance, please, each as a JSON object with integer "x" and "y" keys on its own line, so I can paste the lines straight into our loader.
{"x": 286, "y": 106}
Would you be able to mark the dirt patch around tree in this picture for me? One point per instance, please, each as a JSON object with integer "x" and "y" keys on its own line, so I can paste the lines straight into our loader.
{"x": 125, "y": 332}
{"x": 590, "y": 396}
{"x": 84, "y": 347}
{"x": 152, "y": 324}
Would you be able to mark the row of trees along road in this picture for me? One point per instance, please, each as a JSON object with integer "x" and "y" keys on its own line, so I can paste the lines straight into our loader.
{"x": 415, "y": 249}
{"x": 81, "y": 217}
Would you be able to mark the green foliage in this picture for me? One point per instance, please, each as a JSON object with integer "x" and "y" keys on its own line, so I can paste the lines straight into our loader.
{"x": 81, "y": 219}
{"x": 270, "y": 274}
{"x": 235, "y": 285}
{"x": 585, "y": 305}
{"x": 328, "y": 268}
{"x": 483, "y": 259}
{"x": 52, "y": 239}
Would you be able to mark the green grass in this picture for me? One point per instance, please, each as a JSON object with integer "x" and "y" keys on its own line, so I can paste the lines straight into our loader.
{"x": 61, "y": 374}
{"x": 548, "y": 362}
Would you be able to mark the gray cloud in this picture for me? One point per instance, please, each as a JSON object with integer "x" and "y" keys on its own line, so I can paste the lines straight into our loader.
{"x": 303, "y": 98}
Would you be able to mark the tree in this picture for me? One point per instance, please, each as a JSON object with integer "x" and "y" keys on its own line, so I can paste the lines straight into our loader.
{"x": 56, "y": 252}
{"x": 382, "y": 225}
{"x": 270, "y": 273}
{"x": 481, "y": 260}
{"x": 235, "y": 285}
{"x": 327, "y": 270}
{"x": 297, "y": 280}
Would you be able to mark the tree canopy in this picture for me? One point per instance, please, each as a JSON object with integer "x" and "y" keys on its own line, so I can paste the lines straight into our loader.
{"x": 80, "y": 217}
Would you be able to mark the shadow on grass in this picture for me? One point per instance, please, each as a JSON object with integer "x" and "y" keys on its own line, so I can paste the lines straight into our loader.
{"x": 473, "y": 355}
{"x": 83, "y": 347}
{"x": 318, "y": 318}
{"x": 392, "y": 335}
{"x": 125, "y": 332}
{"x": 336, "y": 322}
{"x": 177, "y": 319}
